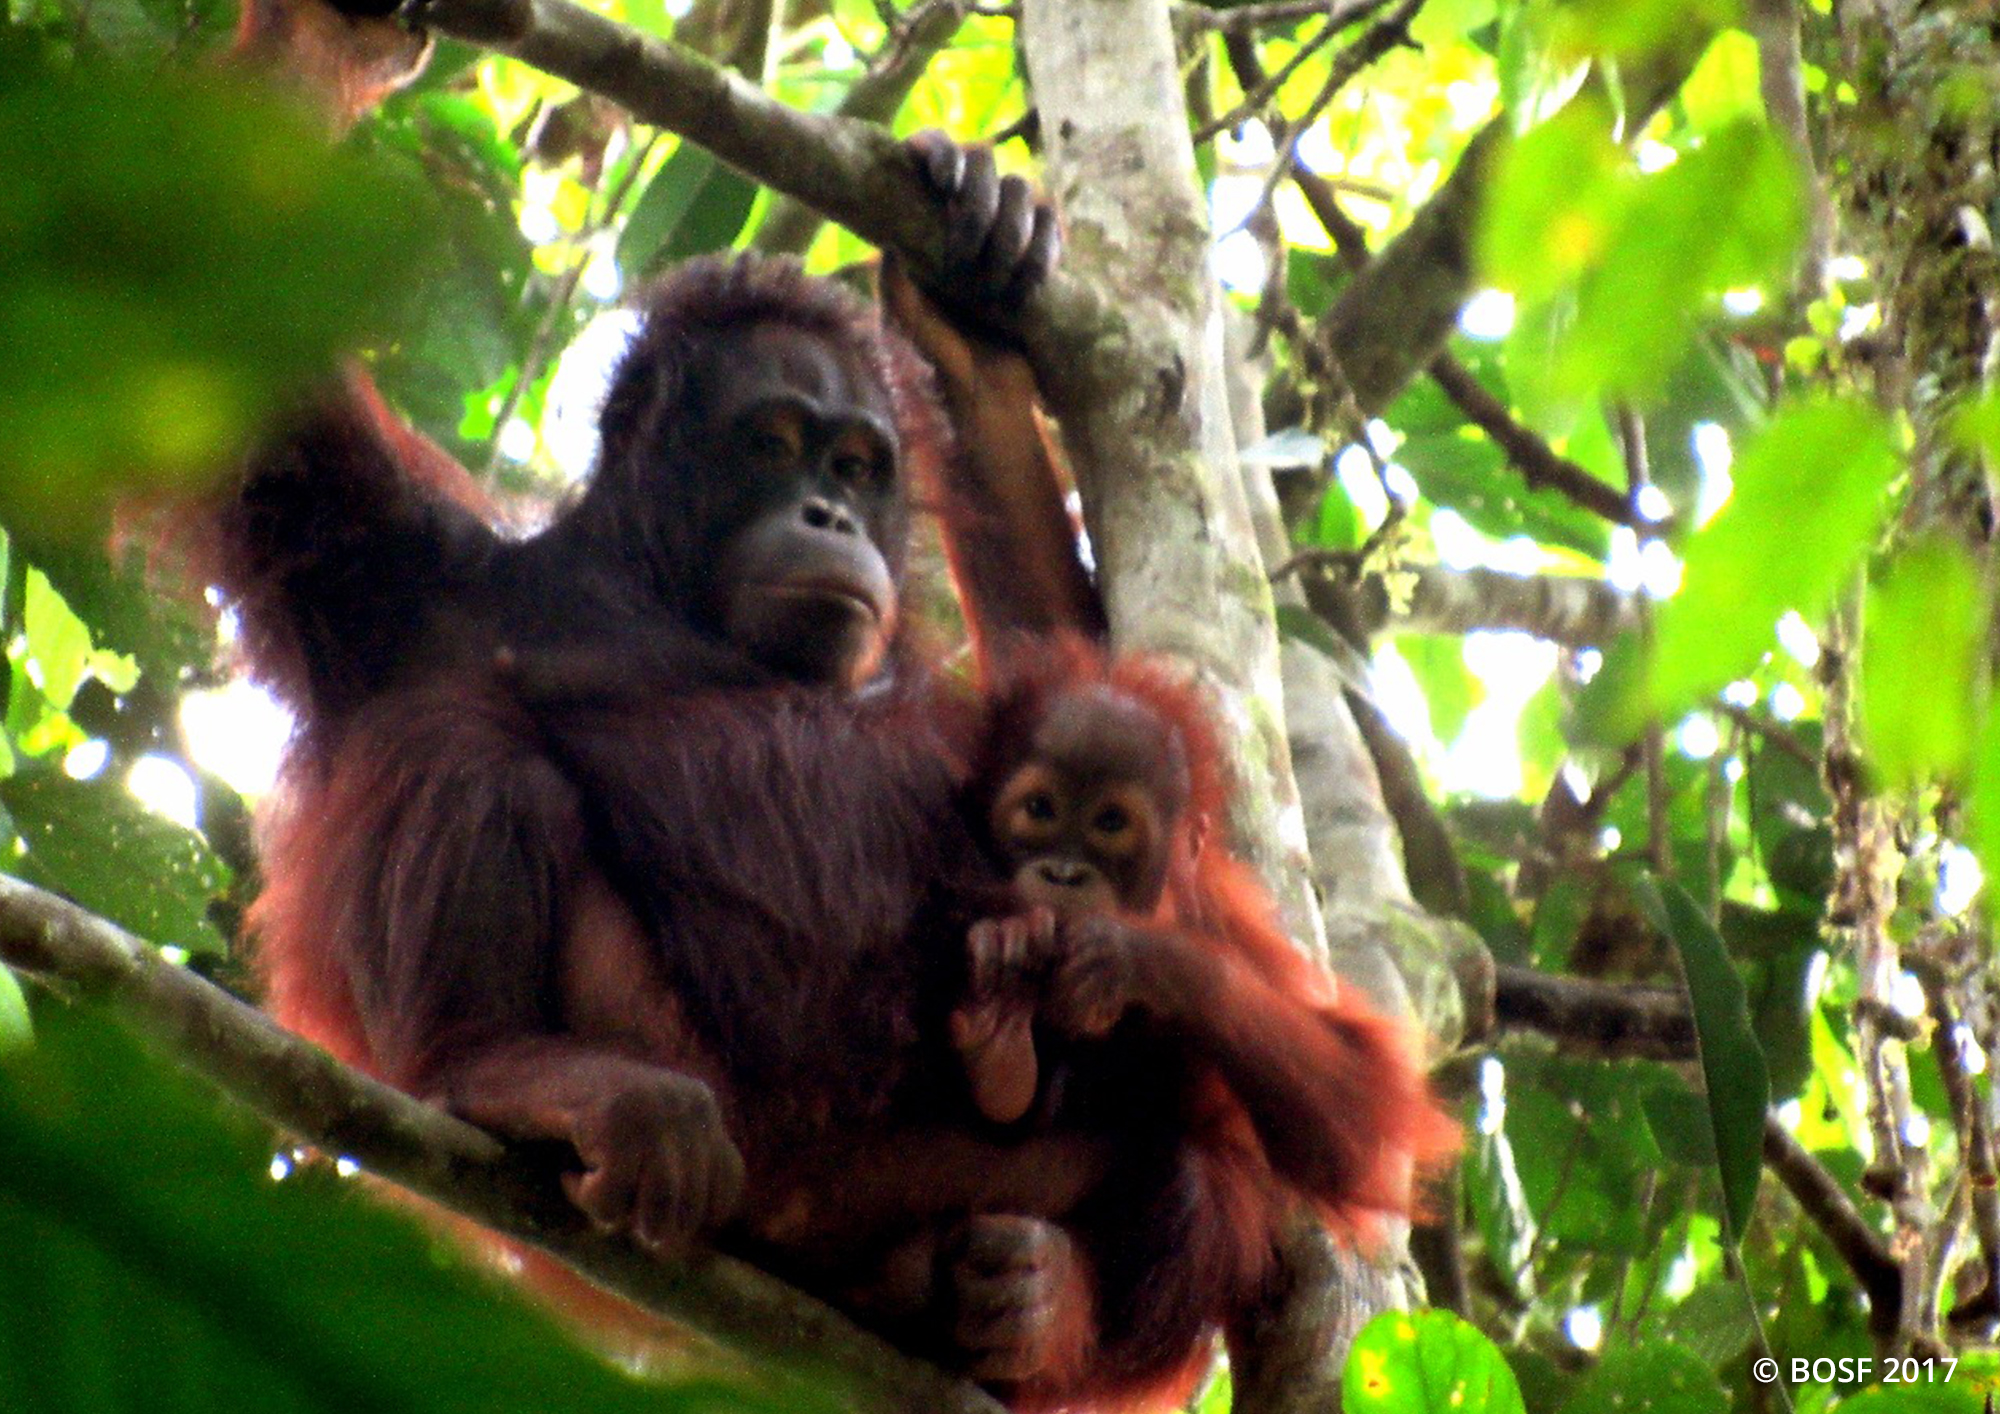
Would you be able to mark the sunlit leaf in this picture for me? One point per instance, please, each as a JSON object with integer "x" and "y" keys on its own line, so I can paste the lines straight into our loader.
{"x": 1450, "y": 20}
{"x": 127, "y": 614}
{"x": 1807, "y": 503}
{"x": 58, "y": 641}
{"x": 16, "y": 1030}
{"x": 1636, "y": 26}
{"x": 1554, "y": 205}
{"x": 1725, "y": 216}
{"x": 91, "y": 841}
{"x": 1426, "y": 1362}
{"x": 1724, "y": 85}
{"x": 1926, "y": 622}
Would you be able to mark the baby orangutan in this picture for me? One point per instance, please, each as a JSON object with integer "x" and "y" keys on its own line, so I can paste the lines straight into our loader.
{"x": 1090, "y": 799}
{"x": 1097, "y": 787}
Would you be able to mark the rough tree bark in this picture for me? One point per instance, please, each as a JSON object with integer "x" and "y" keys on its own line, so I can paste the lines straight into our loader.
{"x": 1145, "y": 407}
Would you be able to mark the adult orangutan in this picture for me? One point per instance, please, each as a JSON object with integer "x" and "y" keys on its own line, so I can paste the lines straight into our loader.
{"x": 703, "y": 937}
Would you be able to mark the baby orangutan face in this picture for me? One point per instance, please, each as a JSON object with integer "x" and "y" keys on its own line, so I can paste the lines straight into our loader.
{"x": 1085, "y": 822}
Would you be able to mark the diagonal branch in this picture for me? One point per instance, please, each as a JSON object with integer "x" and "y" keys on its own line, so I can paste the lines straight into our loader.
{"x": 304, "y": 1091}
{"x": 1833, "y": 1212}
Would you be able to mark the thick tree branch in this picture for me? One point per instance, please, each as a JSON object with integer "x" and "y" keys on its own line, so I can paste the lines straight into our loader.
{"x": 1393, "y": 319}
{"x": 851, "y": 170}
{"x": 1395, "y": 315}
{"x": 1528, "y": 452}
{"x": 305, "y": 1092}
{"x": 1601, "y": 1018}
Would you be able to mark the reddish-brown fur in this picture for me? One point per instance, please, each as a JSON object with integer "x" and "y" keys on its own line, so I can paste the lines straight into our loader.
{"x": 1333, "y": 1091}
{"x": 713, "y": 912}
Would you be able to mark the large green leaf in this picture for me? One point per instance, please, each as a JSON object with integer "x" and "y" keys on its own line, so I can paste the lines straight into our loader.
{"x": 1554, "y": 204}
{"x": 1926, "y": 625}
{"x": 1426, "y": 1362}
{"x": 1733, "y": 1073}
{"x": 152, "y": 1266}
{"x": 693, "y": 205}
{"x": 1645, "y": 255}
{"x": 180, "y": 251}
{"x": 92, "y": 842}
{"x": 1725, "y": 216}
{"x": 1807, "y": 504}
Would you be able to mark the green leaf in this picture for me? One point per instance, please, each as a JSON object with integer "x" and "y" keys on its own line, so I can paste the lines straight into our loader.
{"x": 470, "y": 316}
{"x": 1925, "y": 624}
{"x": 1652, "y": 1379}
{"x": 1559, "y": 913}
{"x": 1426, "y": 1362}
{"x": 1312, "y": 279}
{"x": 1789, "y": 817}
{"x": 58, "y": 641}
{"x": 1959, "y": 1396}
{"x": 17, "y": 1031}
{"x": 1555, "y": 202}
{"x": 182, "y": 250}
{"x": 693, "y": 205}
{"x": 164, "y": 634}
{"x": 1644, "y": 255}
{"x": 1437, "y": 661}
{"x": 171, "y": 1275}
{"x": 1584, "y": 1151}
{"x": 1725, "y": 216}
{"x": 90, "y": 841}
{"x": 1808, "y": 500}
{"x": 1733, "y": 1074}
{"x": 1724, "y": 86}
{"x": 1679, "y": 1120}
{"x": 1298, "y": 622}
{"x": 1713, "y": 1322}
{"x": 1637, "y": 27}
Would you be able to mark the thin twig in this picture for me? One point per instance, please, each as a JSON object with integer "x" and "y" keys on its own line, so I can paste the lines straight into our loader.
{"x": 1975, "y": 1136}
{"x": 1530, "y": 454}
{"x": 1767, "y": 731}
{"x": 1382, "y": 36}
{"x": 1258, "y": 99}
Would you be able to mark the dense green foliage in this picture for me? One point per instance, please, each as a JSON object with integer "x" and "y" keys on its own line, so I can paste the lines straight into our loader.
{"x": 1768, "y": 794}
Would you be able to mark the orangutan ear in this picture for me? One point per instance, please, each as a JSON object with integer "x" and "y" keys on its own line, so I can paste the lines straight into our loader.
{"x": 1197, "y": 833}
